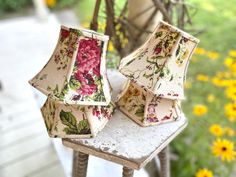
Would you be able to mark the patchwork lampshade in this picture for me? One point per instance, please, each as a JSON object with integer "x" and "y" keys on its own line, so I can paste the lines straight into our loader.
{"x": 76, "y": 71}
{"x": 160, "y": 64}
{"x": 75, "y": 121}
{"x": 146, "y": 108}
{"x": 156, "y": 73}
{"x": 75, "y": 81}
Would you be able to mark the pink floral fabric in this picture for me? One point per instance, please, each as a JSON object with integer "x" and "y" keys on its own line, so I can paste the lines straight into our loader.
{"x": 88, "y": 64}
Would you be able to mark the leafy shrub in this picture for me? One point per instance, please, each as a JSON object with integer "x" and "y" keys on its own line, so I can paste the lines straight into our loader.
{"x": 13, "y": 5}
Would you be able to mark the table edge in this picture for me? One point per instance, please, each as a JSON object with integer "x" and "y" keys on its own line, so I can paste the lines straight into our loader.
{"x": 131, "y": 163}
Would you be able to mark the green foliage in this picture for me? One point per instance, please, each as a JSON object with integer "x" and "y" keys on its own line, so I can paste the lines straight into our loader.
{"x": 13, "y": 5}
{"x": 68, "y": 119}
{"x": 66, "y": 3}
{"x": 8, "y": 6}
{"x": 140, "y": 111}
{"x": 74, "y": 84}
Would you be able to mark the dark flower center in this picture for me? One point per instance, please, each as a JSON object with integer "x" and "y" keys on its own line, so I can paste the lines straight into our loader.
{"x": 224, "y": 148}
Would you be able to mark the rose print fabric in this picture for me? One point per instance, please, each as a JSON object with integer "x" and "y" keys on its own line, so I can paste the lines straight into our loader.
{"x": 86, "y": 80}
{"x": 76, "y": 72}
{"x": 160, "y": 64}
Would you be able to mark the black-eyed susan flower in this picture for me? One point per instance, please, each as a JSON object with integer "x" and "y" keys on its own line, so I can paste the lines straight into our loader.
{"x": 202, "y": 77}
{"x": 232, "y": 53}
{"x": 210, "y": 98}
{"x": 223, "y": 75}
{"x": 50, "y": 3}
{"x": 204, "y": 173}
{"x": 230, "y": 111}
{"x": 231, "y": 92}
{"x": 219, "y": 82}
{"x": 229, "y": 131}
{"x": 224, "y": 149}
{"x": 216, "y": 130}
{"x": 228, "y": 61}
{"x": 213, "y": 55}
{"x": 200, "y": 51}
{"x": 199, "y": 110}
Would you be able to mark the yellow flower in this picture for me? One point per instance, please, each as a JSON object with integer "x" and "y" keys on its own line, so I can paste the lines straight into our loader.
{"x": 200, "y": 51}
{"x": 231, "y": 92}
{"x": 232, "y": 67}
{"x": 219, "y": 82}
{"x": 230, "y": 111}
{"x": 187, "y": 85}
{"x": 204, "y": 173}
{"x": 199, "y": 110}
{"x": 224, "y": 149}
{"x": 228, "y": 61}
{"x": 210, "y": 98}
{"x": 232, "y": 53}
{"x": 232, "y": 83}
{"x": 229, "y": 131}
{"x": 110, "y": 47}
{"x": 223, "y": 74}
{"x": 101, "y": 26}
{"x": 86, "y": 24}
{"x": 50, "y": 3}
{"x": 202, "y": 77}
{"x": 216, "y": 130}
{"x": 213, "y": 55}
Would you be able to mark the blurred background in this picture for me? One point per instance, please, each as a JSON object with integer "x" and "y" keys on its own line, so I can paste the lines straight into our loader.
{"x": 28, "y": 35}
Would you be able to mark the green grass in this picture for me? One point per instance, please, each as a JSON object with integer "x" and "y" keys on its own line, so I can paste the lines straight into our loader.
{"x": 218, "y": 19}
{"x": 193, "y": 146}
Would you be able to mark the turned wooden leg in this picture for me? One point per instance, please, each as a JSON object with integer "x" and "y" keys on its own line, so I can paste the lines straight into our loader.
{"x": 164, "y": 162}
{"x": 80, "y": 163}
{"x": 127, "y": 172}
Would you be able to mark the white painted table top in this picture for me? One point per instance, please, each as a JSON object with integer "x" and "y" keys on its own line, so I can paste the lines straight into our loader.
{"x": 123, "y": 141}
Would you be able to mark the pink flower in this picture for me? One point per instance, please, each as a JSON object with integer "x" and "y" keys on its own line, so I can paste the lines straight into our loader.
{"x": 96, "y": 112}
{"x": 89, "y": 54}
{"x": 88, "y": 64}
{"x": 157, "y": 50}
{"x": 64, "y": 33}
{"x": 87, "y": 83}
{"x": 96, "y": 71}
{"x": 87, "y": 90}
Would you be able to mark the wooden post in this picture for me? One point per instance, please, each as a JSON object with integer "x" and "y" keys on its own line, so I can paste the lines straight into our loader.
{"x": 164, "y": 162}
{"x": 80, "y": 163}
{"x": 127, "y": 172}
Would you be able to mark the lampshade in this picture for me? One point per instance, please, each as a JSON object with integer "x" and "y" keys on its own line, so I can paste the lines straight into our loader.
{"x": 146, "y": 108}
{"x": 75, "y": 121}
{"x": 76, "y": 71}
{"x": 160, "y": 64}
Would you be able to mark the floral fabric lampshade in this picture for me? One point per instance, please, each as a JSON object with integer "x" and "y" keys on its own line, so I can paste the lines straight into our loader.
{"x": 160, "y": 64}
{"x": 75, "y": 121}
{"x": 157, "y": 72}
{"x": 75, "y": 81}
{"x": 146, "y": 108}
{"x": 76, "y": 71}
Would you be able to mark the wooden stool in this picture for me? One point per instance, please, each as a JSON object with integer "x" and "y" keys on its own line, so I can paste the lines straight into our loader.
{"x": 124, "y": 142}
